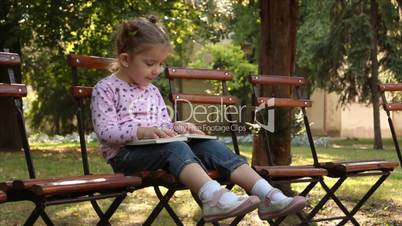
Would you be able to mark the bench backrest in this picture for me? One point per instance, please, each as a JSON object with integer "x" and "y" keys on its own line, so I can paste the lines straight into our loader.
{"x": 262, "y": 102}
{"x": 80, "y": 93}
{"x": 12, "y": 61}
{"x": 223, "y": 99}
{"x": 390, "y": 107}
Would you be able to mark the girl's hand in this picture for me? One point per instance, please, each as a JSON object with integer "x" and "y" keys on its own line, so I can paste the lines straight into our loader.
{"x": 154, "y": 133}
{"x": 193, "y": 129}
{"x": 180, "y": 127}
{"x": 185, "y": 127}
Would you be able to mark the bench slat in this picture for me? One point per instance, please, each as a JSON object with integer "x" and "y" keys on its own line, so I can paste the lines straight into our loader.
{"x": 358, "y": 166}
{"x": 284, "y": 102}
{"x": 356, "y": 161}
{"x": 393, "y": 106}
{"x": 3, "y": 196}
{"x": 276, "y": 80}
{"x": 290, "y": 171}
{"x": 362, "y": 166}
{"x": 81, "y": 91}
{"x": 9, "y": 59}
{"x": 390, "y": 87}
{"x": 204, "y": 99}
{"x": 27, "y": 184}
{"x": 12, "y": 90}
{"x": 198, "y": 74}
{"x": 100, "y": 63}
{"x": 85, "y": 185}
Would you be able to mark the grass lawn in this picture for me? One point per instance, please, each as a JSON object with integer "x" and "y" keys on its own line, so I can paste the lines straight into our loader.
{"x": 384, "y": 208}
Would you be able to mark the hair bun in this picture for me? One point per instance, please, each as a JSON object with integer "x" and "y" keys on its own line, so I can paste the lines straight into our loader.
{"x": 153, "y": 19}
{"x": 130, "y": 28}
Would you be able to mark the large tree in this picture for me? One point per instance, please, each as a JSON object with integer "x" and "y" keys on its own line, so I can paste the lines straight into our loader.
{"x": 349, "y": 46}
{"x": 47, "y": 31}
{"x": 277, "y": 57}
{"x": 373, "y": 80}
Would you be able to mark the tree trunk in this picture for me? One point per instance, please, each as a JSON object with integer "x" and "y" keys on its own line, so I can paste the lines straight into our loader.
{"x": 277, "y": 57}
{"x": 373, "y": 80}
{"x": 9, "y": 132}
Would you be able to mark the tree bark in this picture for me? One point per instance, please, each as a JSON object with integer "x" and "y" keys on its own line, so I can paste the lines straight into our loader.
{"x": 9, "y": 132}
{"x": 373, "y": 80}
{"x": 277, "y": 57}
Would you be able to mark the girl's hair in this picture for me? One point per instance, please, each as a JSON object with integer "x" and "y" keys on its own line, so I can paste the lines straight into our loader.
{"x": 135, "y": 36}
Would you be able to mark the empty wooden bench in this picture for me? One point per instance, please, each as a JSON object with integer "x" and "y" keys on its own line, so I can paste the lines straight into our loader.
{"x": 389, "y": 107}
{"x": 310, "y": 174}
{"x": 337, "y": 169}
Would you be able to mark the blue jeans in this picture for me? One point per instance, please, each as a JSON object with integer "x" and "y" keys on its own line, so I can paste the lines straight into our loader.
{"x": 174, "y": 156}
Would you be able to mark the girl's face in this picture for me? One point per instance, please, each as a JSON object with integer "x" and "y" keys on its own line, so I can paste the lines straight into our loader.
{"x": 143, "y": 67}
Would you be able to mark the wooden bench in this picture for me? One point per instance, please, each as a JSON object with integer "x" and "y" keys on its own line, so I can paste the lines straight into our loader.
{"x": 51, "y": 191}
{"x": 289, "y": 172}
{"x": 340, "y": 168}
{"x": 337, "y": 169}
{"x": 392, "y": 107}
{"x": 310, "y": 174}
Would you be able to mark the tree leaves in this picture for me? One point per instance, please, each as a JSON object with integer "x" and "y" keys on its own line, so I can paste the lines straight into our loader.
{"x": 334, "y": 45}
{"x": 51, "y": 29}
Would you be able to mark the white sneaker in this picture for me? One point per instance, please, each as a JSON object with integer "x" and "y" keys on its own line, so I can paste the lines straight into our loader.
{"x": 272, "y": 209}
{"x": 215, "y": 211}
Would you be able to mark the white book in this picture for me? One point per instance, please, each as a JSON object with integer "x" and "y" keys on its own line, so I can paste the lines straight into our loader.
{"x": 198, "y": 136}
{"x": 182, "y": 137}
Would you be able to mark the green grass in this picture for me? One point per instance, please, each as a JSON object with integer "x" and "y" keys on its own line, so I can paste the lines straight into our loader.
{"x": 61, "y": 146}
{"x": 64, "y": 159}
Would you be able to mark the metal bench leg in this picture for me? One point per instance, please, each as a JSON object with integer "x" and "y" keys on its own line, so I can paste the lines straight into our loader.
{"x": 338, "y": 203}
{"x": 97, "y": 208}
{"x": 237, "y": 220}
{"x": 46, "y": 218}
{"x": 364, "y": 199}
{"x": 166, "y": 205}
{"x": 38, "y": 211}
{"x": 163, "y": 199}
{"x": 325, "y": 199}
{"x": 104, "y": 219}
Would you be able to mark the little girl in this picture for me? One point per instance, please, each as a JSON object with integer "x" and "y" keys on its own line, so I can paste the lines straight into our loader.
{"x": 126, "y": 107}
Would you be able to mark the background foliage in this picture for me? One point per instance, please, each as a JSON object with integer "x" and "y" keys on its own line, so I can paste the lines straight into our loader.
{"x": 332, "y": 48}
{"x": 49, "y": 30}
{"x": 230, "y": 57}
